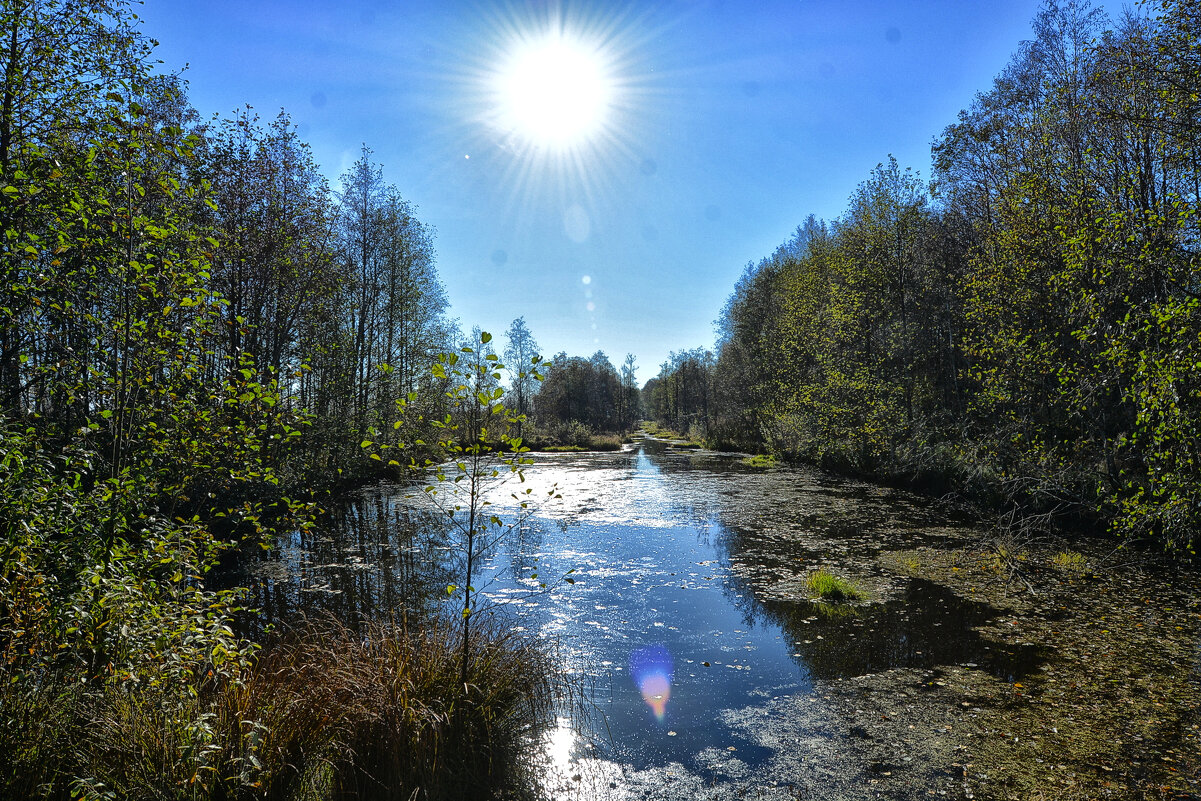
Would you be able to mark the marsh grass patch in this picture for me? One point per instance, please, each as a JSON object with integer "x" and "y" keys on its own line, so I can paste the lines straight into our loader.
{"x": 829, "y": 587}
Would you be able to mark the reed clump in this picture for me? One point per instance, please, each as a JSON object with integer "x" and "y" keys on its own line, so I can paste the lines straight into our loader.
{"x": 324, "y": 712}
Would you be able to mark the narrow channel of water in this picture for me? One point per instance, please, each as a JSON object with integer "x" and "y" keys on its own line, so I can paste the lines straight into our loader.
{"x": 687, "y": 623}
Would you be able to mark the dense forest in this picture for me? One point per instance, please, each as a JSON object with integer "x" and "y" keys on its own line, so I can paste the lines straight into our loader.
{"x": 1023, "y": 329}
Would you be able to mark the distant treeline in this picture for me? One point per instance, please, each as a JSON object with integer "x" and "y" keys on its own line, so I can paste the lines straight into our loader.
{"x": 568, "y": 400}
{"x": 1026, "y": 327}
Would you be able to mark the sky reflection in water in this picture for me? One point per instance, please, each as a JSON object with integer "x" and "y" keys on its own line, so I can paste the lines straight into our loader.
{"x": 683, "y": 568}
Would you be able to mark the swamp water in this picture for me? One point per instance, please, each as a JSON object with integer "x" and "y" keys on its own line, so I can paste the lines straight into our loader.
{"x": 705, "y": 670}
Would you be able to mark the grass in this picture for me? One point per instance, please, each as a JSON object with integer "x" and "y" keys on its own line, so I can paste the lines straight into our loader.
{"x": 564, "y": 449}
{"x": 1070, "y": 561}
{"x": 325, "y": 712}
{"x": 605, "y": 442}
{"x": 759, "y": 460}
{"x": 824, "y": 584}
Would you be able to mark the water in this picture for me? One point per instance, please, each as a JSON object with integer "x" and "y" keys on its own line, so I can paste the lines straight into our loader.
{"x": 674, "y": 594}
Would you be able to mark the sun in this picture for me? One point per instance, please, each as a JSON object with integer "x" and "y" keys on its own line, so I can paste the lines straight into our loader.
{"x": 556, "y": 92}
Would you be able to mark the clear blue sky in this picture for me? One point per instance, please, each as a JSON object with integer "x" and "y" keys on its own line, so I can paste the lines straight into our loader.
{"x": 727, "y": 123}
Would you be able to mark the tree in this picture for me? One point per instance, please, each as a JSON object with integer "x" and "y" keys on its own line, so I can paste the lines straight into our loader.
{"x": 580, "y": 392}
{"x": 628, "y": 410}
{"x": 477, "y": 437}
{"x": 59, "y": 62}
{"x": 520, "y": 353}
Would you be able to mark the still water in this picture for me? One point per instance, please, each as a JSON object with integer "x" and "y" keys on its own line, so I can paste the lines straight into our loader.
{"x": 675, "y": 597}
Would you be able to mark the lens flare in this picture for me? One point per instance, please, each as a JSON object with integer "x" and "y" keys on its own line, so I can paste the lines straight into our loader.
{"x": 651, "y": 669}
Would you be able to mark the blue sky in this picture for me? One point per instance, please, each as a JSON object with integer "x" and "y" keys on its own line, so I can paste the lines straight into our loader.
{"x": 727, "y": 124}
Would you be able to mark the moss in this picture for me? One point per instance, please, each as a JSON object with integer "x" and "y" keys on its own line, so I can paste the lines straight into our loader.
{"x": 1111, "y": 714}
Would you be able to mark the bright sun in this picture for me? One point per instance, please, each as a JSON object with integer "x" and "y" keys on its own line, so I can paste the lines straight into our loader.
{"x": 555, "y": 92}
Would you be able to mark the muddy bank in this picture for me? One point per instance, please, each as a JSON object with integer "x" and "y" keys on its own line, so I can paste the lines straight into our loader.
{"x": 1115, "y": 709}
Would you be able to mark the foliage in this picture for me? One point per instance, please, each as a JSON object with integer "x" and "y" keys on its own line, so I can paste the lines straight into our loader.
{"x": 477, "y": 436}
{"x": 1025, "y": 330}
{"x": 580, "y": 396}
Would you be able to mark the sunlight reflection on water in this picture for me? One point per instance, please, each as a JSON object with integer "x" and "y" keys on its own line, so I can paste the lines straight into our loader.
{"x": 686, "y": 571}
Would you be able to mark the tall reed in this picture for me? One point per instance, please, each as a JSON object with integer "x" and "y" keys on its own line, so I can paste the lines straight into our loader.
{"x": 324, "y": 712}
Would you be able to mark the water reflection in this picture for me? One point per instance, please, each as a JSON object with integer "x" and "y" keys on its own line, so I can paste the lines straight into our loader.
{"x": 686, "y": 569}
{"x": 372, "y": 556}
{"x": 925, "y": 626}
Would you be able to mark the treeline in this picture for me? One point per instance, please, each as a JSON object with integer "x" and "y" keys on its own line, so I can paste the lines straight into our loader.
{"x": 569, "y": 401}
{"x": 153, "y": 259}
{"x": 1026, "y": 327}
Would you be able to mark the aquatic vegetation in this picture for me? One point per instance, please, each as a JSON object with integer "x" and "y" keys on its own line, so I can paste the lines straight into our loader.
{"x": 830, "y": 587}
{"x": 760, "y": 460}
{"x": 834, "y": 611}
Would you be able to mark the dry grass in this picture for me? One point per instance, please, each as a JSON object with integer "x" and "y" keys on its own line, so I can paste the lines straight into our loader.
{"x": 325, "y": 712}
{"x": 605, "y": 442}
